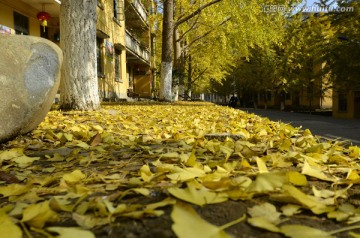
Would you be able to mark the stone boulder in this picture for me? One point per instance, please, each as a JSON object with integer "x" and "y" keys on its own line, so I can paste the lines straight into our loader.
{"x": 29, "y": 79}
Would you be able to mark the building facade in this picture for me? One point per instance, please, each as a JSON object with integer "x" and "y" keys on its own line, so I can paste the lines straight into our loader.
{"x": 346, "y": 104}
{"x": 123, "y": 41}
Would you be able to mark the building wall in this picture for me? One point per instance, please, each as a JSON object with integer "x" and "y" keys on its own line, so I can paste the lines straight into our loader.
{"x": 110, "y": 88}
{"x": 7, "y": 7}
{"x": 351, "y": 108}
{"x": 267, "y": 100}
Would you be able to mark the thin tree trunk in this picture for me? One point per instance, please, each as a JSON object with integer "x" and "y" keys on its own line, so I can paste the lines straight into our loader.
{"x": 177, "y": 64}
{"x": 167, "y": 51}
{"x": 79, "y": 82}
{"x": 189, "y": 80}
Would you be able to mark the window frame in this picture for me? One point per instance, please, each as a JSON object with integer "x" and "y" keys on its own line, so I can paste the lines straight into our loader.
{"x": 117, "y": 66}
{"x": 118, "y": 11}
{"x": 100, "y": 57}
{"x": 342, "y": 102}
{"x": 20, "y": 18}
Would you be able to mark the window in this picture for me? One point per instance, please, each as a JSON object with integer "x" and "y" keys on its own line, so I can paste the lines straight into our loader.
{"x": 21, "y": 24}
{"x": 99, "y": 57}
{"x": 342, "y": 102}
{"x": 118, "y": 11}
{"x": 118, "y": 66}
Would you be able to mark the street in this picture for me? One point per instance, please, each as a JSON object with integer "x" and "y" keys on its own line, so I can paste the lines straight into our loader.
{"x": 325, "y": 126}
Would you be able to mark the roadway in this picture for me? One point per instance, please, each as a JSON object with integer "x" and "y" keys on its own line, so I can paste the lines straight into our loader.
{"x": 325, "y": 126}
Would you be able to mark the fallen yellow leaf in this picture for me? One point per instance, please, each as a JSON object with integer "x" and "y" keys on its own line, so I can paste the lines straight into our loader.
{"x": 37, "y": 215}
{"x": 7, "y": 228}
{"x": 187, "y": 223}
{"x": 71, "y": 232}
{"x": 198, "y": 196}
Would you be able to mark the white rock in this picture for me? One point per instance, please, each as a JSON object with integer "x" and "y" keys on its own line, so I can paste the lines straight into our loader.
{"x": 29, "y": 79}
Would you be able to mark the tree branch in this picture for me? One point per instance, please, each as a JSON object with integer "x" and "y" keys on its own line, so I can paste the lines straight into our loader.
{"x": 191, "y": 15}
{"x": 192, "y": 81}
{"x": 182, "y": 36}
{"x": 204, "y": 35}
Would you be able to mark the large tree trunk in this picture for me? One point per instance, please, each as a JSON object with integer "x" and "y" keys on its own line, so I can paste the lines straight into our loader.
{"x": 79, "y": 83}
{"x": 167, "y": 51}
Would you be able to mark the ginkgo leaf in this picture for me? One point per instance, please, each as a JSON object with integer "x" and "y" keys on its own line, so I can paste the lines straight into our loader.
{"x": 285, "y": 145}
{"x": 300, "y": 231}
{"x": 170, "y": 155}
{"x": 227, "y": 151}
{"x": 263, "y": 223}
{"x": 316, "y": 173}
{"x": 18, "y": 209}
{"x": 143, "y": 191}
{"x": 74, "y": 177}
{"x": 11, "y": 154}
{"x": 314, "y": 205}
{"x": 71, "y": 232}
{"x": 120, "y": 208}
{"x": 343, "y": 212}
{"x": 296, "y": 178}
{"x": 146, "y": 173}
{"x": 266, "y": 211}
{"x": 14, "y": 189}
{"x": 198, "y": 196}
{"x": 37, "y": 215}
{"x": 191, "y": 160}
{"x": 290, "y": 209}
{"x": 354, "y": 151}
{"x": 90, "y": 221}
{"x": 193, "y": 225}
{"x": 8, "y": 228}
{"x": 324, "y": 193}
{"x": 338, "y": 215}
{"x": 83, "y": 145}
{"x": 261, "y": 165}
{"x": 352, "y": 175}
{"x": 267, "y": 182}
{"x": 185, "y": 174}
{"x": 24, "y": 161}
{"x": 61, "y": 204}
{"x": 355, "y": 235}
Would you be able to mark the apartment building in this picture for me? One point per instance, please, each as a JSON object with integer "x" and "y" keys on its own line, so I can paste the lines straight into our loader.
{"x": 123, "y": 40}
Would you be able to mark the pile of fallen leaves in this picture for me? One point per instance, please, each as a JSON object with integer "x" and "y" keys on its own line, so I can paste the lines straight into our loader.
{"x": 88, "y": 169}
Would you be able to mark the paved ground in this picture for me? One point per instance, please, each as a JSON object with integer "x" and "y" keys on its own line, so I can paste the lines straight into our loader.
{"x": 326, "y": 126}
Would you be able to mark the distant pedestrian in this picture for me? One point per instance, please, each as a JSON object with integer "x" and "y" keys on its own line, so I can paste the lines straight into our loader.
{"x": 233, "y": 101}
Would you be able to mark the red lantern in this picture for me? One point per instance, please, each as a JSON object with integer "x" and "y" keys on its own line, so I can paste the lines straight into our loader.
{"x": 43, "y": 17}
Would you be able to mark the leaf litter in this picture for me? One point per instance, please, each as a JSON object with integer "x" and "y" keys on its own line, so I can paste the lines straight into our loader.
{"x": 96, "y": 174}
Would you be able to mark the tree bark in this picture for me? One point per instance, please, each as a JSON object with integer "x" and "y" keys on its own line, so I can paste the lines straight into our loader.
{"x": 177, "y": 64}
{"x": 79, "y": 82}
{"x": 167, "y": 51}
{"x": 189, "y": 80}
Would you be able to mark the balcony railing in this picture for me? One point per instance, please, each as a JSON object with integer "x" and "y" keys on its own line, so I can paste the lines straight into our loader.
{"x": 134, "y": 45}
{"x": 140, "y": 9}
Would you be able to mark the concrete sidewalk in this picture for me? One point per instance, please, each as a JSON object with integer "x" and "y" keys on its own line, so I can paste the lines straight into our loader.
{"x": 325, "y": 126}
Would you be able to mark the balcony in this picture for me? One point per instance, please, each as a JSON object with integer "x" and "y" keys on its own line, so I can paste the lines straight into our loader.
{"x": 140, "y": 9}
{"x": 135, "y": 13}
{"x": 137, "y": 52}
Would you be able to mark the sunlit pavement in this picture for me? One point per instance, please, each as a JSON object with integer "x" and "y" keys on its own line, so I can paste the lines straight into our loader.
{"x": 325, "y": 126}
